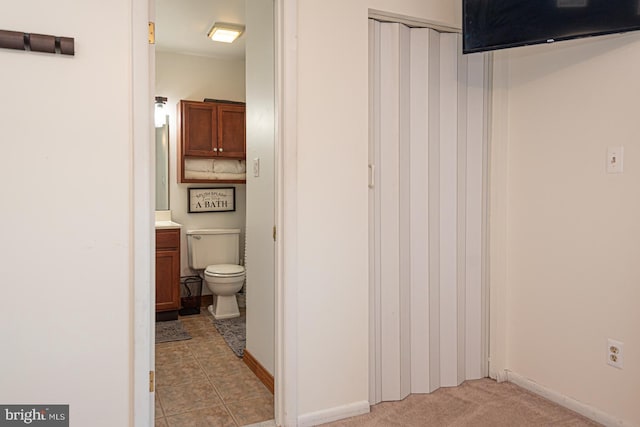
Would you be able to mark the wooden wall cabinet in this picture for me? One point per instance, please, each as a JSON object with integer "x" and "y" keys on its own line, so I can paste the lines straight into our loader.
{"x": 167, "y": 273}
{"x": 212, "y": 130}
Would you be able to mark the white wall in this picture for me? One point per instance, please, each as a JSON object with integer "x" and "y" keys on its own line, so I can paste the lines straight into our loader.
{"x": 566, "y": 273}
{"x": 66, "y": 173}
{"x": 260, "y": 80}
{"x": 332, "y": 195}
{"x": 194, "y": 78}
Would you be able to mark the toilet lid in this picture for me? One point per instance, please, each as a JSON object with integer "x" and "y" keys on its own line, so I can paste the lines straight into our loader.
{"x": 224, "y": 270}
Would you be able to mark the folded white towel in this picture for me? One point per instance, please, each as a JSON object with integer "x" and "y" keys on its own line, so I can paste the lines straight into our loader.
{"x": 229, "y": 166}
{"x": 214, "y": 176}
{"x": 198, "y": 165}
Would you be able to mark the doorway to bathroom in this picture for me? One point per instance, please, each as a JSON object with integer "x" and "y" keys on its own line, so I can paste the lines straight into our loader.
{"x": 245, "y": 74}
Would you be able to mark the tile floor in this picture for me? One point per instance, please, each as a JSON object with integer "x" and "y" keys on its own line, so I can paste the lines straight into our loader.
{"x": 200, "y": 382}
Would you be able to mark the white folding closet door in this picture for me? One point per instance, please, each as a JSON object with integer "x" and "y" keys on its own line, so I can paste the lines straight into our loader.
{"x": 448, "y": 215}
{"x": 392, "y": 194}
{"x": 423, "y": 111}
{"x": 426, "y": 216}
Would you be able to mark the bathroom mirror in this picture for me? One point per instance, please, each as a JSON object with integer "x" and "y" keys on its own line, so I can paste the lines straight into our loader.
{"x": 162, "y": 167}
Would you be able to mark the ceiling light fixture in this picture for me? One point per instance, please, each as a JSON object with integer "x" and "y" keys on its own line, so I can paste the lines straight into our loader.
{"x": 226, "y": 33}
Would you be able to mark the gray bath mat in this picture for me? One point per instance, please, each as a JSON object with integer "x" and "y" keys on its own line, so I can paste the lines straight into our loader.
{"x": 234, "y": 333}
{"x": 172, "y": 330}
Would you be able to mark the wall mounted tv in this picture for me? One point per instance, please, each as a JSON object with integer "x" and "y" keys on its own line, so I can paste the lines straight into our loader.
{"x": 499, "y": 24}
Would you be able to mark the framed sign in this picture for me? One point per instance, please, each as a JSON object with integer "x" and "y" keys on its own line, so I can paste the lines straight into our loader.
{"x": 212, "y": 199}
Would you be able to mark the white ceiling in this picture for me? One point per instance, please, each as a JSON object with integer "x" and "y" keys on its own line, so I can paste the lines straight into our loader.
{"x": 182, "y": 27}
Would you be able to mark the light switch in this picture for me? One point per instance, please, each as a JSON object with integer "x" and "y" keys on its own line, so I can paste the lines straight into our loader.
{"x": 256, "y": 167}
{"x": 615, "y": 157}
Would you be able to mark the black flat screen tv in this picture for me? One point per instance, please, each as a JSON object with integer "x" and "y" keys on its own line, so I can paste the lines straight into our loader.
{"x": 499, "y": 24}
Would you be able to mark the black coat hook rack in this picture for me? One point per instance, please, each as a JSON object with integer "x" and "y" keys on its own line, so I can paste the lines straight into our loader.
{"x": 36, "y": 42}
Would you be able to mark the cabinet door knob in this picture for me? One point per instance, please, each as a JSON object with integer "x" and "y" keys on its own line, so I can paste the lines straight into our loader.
{"x": 220, "y": 149}
{"x": 215, "y": 149}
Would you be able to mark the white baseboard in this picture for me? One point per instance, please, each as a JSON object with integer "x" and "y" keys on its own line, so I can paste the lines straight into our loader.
{"x": 566, "y": 401}
{"x": 333, "y": 414}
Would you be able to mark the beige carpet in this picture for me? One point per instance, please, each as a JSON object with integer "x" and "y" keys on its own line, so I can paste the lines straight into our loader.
{"x": 475, "y": 403}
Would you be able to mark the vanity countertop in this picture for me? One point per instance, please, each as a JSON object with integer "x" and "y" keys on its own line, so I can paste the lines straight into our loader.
{"x": 167, "y": 224}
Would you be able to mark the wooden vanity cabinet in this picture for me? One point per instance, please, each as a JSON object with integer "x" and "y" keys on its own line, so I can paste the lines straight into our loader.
{"x": 167, "y": 273}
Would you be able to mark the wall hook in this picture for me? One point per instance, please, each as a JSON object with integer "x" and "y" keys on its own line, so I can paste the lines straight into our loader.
{"x": 36, "y": 42}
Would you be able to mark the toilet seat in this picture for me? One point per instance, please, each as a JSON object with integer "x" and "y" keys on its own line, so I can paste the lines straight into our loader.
{"x": 224, "y": 270}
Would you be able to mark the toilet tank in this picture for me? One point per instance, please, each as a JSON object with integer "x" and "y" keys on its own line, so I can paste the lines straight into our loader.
{"x": 213, "y": 246}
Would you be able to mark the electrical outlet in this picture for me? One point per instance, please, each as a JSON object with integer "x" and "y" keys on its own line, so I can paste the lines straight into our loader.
{"x": 615, "y": 353}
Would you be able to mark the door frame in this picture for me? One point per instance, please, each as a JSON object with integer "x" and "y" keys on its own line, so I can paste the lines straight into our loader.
{"x": 142, "y": 229}
{"x": 142, "y": 215}
{"x": 286, "y": 205}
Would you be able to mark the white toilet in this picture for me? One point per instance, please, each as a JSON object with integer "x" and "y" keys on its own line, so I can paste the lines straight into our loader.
{"x": 215, "y": 254}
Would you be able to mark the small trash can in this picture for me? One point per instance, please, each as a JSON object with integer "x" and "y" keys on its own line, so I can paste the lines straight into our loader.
{"x": 190, "y": 295}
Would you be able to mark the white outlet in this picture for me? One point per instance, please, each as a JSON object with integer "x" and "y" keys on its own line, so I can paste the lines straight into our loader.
{"x": 615, "y": 157}
{"x": 615, "y": 353}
